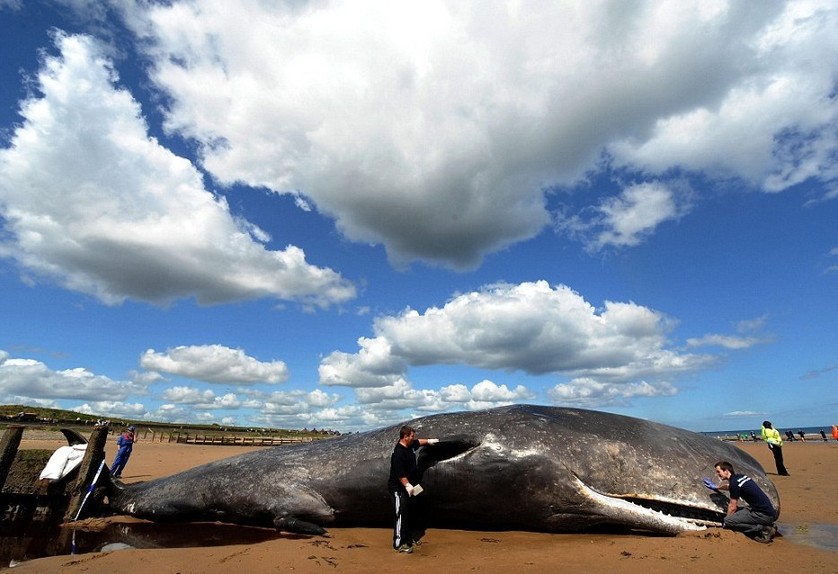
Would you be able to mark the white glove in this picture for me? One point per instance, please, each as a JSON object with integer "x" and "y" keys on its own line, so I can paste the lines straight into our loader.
{"x": 409, "y": 488}
{"x": 433, "y": 440}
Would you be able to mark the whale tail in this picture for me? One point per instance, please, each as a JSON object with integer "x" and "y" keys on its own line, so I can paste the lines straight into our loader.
{"x": 73, "y": 437}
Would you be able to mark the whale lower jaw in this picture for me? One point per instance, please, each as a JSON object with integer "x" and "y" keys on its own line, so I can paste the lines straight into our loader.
{"x": 659, "y": 516}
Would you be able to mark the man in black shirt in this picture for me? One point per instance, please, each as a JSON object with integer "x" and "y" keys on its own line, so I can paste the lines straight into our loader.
{"x": 403, "y": 485}
{"x": 756, "y": 520}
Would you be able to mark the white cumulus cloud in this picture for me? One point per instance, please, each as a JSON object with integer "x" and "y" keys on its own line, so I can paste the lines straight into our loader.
{"x": 437, "y": 128}
{"x": 612, "y": 354}
{"x": 529, "y": 327}
{"x": 201, "y": 398}
{"x": 726, "y": 341}
{"x": 90, "y": 200}
{"x": 113, "y": 409}
{"x": 627, "y": 219}
{"x": 589, "y": 392}
{"x": 28, "y": 379}
{"x": 214, "y": 364}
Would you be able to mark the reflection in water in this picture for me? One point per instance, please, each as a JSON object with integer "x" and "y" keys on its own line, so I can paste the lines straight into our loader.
{"x": 819, "y": 535}
{"x": 54, "y": 541}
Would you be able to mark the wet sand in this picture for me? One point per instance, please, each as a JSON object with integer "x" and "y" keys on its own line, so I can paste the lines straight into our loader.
{"x": 809, "y": 516}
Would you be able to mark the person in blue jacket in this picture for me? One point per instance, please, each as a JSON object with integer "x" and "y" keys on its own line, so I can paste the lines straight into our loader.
{"x": 125, "y": 442}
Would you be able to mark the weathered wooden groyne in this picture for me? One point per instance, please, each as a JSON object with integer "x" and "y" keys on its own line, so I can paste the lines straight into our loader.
{"x": 221, "y": 439}
{"x": 25, "y": 499}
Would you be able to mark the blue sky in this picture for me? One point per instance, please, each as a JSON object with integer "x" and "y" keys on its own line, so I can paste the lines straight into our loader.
{"x": 342, "y": 215}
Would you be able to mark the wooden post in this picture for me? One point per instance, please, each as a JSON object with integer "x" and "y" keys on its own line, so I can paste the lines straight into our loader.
{"x": 93, "y": 456}
{"x": 8, "y": 449}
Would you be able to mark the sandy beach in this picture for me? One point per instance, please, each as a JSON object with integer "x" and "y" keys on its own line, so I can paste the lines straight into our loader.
{"x": 808, "y": 522}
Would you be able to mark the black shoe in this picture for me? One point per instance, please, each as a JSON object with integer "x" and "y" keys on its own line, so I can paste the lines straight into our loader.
{"x": 766, "y": 535}
{"x": 405, "y": 549}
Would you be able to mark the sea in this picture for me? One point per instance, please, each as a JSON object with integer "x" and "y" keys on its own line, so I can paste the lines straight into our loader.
{"x": 808, "y": 432}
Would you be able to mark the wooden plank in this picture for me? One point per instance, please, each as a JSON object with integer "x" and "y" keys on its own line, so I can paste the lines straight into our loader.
{"x": 8, "y": 449}
{"x": 93, "y": 456}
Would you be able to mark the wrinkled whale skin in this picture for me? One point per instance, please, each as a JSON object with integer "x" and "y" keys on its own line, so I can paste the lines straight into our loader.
{"x": 523, "y": 467}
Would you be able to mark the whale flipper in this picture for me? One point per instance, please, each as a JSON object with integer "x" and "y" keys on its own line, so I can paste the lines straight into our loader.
{"x": 297, "y": 526}
{"x": 301, "y": 510}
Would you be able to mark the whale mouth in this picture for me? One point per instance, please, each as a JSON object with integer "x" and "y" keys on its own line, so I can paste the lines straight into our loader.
{"x": 694, "y": 514}
{"x": 652, "y": 514}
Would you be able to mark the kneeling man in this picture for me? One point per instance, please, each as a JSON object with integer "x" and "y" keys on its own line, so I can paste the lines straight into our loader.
{"x": 756, "y": 520}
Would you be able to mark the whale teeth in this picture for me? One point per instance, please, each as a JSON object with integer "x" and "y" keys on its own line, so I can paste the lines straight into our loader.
{"x": 664, "y": 516}
{"x": 678, "y": 512}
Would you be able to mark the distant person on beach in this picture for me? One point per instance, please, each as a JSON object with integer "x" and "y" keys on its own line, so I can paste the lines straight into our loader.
{"x": 756, "y": 520}
{"x": 835, "y": 432}
{"x": 772, "y": 437}
{"x": 403, "y": 485}
{"x": 823, "y": 435}
{"x": 790, "y": 436}
{"x": 125, "y": 442}
{"x": 802, "y": 435}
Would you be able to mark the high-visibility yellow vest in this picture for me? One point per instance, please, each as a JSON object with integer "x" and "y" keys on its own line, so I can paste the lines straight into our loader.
{"x": 772, "y": 436}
